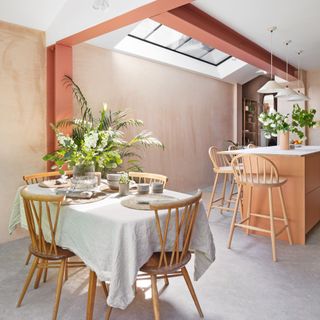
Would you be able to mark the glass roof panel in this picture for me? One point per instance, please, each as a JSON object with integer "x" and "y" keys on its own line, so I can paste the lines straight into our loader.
{"x": 194, "y": 48}
{"x": 167, "y": 37}
{"x": 215, "y": 56}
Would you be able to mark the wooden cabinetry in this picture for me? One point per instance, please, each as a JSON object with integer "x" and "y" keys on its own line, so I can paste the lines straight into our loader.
{"x": 250, "y": 126}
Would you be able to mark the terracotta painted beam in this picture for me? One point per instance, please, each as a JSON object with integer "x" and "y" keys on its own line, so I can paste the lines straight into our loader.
{"x": 133, "y": 16}
{"x": 197, "y": 24}
{"x": 59, "y": 98}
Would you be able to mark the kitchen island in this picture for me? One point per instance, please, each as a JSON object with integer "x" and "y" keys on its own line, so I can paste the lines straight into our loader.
{"x": 301, "y": 167}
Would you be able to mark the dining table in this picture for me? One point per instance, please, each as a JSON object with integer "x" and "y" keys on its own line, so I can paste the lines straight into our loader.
{"x": 115, "y": 241}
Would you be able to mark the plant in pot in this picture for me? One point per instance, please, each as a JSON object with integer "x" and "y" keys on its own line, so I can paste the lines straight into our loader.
{"x": 124, "y": 184}
{"x": 276, "y": 125}
{"x": 97, "y": 144}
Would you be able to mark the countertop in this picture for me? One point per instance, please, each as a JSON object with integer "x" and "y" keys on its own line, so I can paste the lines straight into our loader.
{"x": 300, "y": 151}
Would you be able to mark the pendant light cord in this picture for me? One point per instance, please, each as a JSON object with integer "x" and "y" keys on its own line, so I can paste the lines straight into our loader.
{"x": 271, "y": 52}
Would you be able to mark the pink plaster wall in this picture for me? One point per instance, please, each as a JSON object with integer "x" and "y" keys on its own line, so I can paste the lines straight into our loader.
{"x": 22, "y": 105}
{"x": 188, "y": 112}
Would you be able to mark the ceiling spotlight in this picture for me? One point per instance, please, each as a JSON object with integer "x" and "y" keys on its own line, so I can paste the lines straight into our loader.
{"x": 100, "y": 5}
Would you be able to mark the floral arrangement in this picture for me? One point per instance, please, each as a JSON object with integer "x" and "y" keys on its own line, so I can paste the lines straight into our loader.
{"x": 98, "y": 141}
{"x": 275, "y": 122}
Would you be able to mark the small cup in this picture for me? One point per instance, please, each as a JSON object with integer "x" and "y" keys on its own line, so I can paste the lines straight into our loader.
{"x": 143, "y": 188}
{"x": 157, "y": 187}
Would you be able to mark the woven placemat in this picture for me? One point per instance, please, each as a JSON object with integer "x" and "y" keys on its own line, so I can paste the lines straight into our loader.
{"x": 134, "y": 202}
{"x": 98, "y": 196}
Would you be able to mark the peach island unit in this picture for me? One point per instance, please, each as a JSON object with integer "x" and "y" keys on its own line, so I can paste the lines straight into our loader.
{"x": 301, "y": 168}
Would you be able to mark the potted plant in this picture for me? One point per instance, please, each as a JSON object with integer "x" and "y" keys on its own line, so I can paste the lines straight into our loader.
{"x": 278, "y": 125}
{"x": 124, "y": 183}
{"x": 97, "y": 144}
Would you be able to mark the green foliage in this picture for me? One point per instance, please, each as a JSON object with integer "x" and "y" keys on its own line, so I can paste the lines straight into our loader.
{"x": 99, "y": 141}
{"x": 276, "y": 122}
{"x": 302, "y": 118}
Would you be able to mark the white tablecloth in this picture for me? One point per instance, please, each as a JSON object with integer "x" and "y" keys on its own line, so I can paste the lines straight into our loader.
{"x": 115, "y": 241}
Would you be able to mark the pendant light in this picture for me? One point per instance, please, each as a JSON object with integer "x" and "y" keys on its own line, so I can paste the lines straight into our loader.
{"x": 298, "y": 96}
{"x": 286, "y": 92}
{"x": 271, "y": 86}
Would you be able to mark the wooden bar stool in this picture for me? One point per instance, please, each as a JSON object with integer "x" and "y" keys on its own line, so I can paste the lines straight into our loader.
{"x": 257, "y": 171}
{"x": 221, "y": 166}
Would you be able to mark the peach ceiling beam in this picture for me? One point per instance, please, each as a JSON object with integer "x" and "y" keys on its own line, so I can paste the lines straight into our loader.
{"x": 197, "y": 24}
{"x": 149, "y": 10}
{"x": 59, "y": 98}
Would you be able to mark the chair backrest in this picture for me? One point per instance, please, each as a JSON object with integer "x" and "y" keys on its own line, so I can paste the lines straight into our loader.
{"x": 254, "y": 169}
{"x": 180, "y": 217}
{"x": 232, "y": 147}
{"x": 218, "y": 160}
{"x": 40, "y": 209}
{"x": 42, "y": 176}
{"x": 251, "y": 145}
{"x": 145, "y": 177}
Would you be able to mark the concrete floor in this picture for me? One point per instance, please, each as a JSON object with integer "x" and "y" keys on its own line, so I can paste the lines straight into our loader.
{"x": 242, "y": 284}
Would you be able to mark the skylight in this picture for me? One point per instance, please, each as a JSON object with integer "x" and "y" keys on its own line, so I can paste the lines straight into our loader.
{"x": 162, "y": 36}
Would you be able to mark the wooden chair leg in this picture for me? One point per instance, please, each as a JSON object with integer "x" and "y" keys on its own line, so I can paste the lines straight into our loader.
{"x": 212, "y": 194}
{"x": 155, "y": 297}
{"x": 28, "y": 259}
{"x": 234, "y": 217}
{"x": 284, "y": 213}
{"x": 223, "y": 195}
{"x": 108, "y": 313}
{"x": 105, "y": 289}
{"x": 166, "y": 280}
{"x": 273, "y": 236}
{"x": 45, "y": 273}
{"x": 59, "y": 288}
{"x": 39, "y": 274}
{"x": 28, "y": 280}
{"x": 66, "y": 273}
{"x": 231, "y": 191}
{"x": 91, "y": 294}
{"x": 249, "y": 208}
{"x": 191, "y": 289}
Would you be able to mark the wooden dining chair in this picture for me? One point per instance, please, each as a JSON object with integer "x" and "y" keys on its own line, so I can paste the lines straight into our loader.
{"x": 221, "y": 167}
{"x": 43, "y": 176}
{"x": 39, "y": 177}
{"x": 145, "y": 177}
{"x": 254, "y": 171}
{"x": 40, "y": 210}
{"x": 171, "y": 261}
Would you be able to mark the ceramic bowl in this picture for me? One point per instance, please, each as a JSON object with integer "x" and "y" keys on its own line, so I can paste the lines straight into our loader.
{"x": 157, "y": 187}
{"x": 113, "y": 185}
{"x": 113, "y": 176}
{"x": 143, "y": 188}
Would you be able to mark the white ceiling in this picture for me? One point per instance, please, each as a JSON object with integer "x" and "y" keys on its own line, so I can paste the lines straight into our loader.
{"x": 36, "y": 14}
{"x": 296, "y": 20}
{"x": 62, "y": 18}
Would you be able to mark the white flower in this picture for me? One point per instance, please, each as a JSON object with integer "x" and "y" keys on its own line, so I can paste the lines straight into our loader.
{"x": 64, "y": 141}
{"x": 267, "y": 135}
{"x": 91, "y": 139}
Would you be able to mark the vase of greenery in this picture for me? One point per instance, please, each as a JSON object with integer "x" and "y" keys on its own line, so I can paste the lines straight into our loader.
{"x": 124, "y": 184}
{"x": 98, "y": 141}
{"x": 278, "y": 125}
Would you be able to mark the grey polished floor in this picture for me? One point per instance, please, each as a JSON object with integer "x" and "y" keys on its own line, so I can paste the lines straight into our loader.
{"x": 242, "y": 284}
